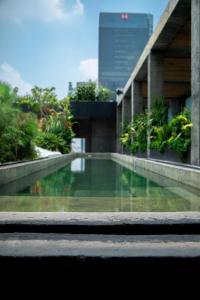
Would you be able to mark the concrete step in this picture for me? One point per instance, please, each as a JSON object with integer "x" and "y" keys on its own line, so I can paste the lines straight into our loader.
{"x": 117, "y": 243}
{"x": 102, "y": 246}
{"x": 78, "y": 254}
{"x": 102, "y": 223}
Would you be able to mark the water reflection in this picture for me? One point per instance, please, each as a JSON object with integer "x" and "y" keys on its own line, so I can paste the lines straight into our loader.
{"x": 97, "y": 185}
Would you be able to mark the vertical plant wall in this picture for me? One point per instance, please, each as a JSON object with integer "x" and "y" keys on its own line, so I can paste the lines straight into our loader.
{"x": 174, "y": 135}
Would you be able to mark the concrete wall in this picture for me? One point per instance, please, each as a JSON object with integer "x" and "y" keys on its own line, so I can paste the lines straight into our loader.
{"x": 186, "y": 175}
{"x": 10, "y": 173}
{"x": 99, "y": 134}
{"x": 96, "y": 122}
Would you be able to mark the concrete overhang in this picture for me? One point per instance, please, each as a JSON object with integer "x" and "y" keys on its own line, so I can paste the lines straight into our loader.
{"x": 173, "y": 18}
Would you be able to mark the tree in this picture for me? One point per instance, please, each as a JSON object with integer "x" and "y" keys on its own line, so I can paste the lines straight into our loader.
{"x": 7, "y": 94}
{"x": 40, "y": 101}
{"x": 85, "y": 92}
{"x": 89, "y": 92}
{"x": 104, "y": 94}
{"x": 17, "y": 129}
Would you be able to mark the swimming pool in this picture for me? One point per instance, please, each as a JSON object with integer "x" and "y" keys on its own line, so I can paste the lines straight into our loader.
{"x": 97, "y": 185}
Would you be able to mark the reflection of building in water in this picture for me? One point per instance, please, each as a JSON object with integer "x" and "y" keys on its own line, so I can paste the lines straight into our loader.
{"x": 78, "y": 165}
{"x": 78, "y": 145}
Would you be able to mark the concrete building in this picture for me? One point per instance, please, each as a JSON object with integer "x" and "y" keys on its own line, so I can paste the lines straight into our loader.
{"x": 122, "y": 38}
{"x": 169, "y": 66}
{"x": 95, "y": 124}
{"x": 70, "y": 88}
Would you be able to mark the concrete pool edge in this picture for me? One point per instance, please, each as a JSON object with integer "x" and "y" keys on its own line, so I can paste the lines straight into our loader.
{"x": 183, "y": 174}
{"x": 102, "y": 218}
{"x": 180, "y": 173}
{"x": 13, "y": 172}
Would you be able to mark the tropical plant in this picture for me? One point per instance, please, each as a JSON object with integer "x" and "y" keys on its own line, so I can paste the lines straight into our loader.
{"x": 90, "y": 92}
{"x": 40, "y": 101}
{"x": 7, "y": 94}
{"x": 134, "y": 135}
{"x": 180, "y": 137}
{"x": 20, "y": 129}
{"x": 17, "y": 129}
{"x": 104, "y": 94}
{"x": 51, "y": 141}
{"x": 175, "y": 135}
{"x": 85, "y": 92}
{"x": 56, "y": 130}
{"x": 159, "y": 135}
{"x": 158, "y": 114}
{"x": 158, "y": 127}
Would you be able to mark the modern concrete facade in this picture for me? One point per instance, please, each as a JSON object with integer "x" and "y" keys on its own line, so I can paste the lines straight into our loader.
{"x": 122, "y": 38}
{"x": 169, "y": 67}
{"x": 96, "y": 123}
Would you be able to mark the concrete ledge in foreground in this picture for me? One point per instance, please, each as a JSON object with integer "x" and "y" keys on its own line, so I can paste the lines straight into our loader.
{"x": 104, "y": 246}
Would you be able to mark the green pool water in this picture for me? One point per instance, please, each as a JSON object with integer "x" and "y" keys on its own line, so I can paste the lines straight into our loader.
{"x": 96, "y": 185}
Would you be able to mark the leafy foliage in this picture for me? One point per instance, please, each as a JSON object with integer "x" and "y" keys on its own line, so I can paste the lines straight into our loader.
{"x": 89, "y": 92}
{"x": 56, "y": 130}
{"x": 85, "y": 92}
{"x": 7, "y": 94}
{"x": 39, "y": 118}
{"x": 175, "y": 135}
{"x": 51, "y": 141}
{"x": 40, "y": 101}
{"x": 134, "y": 134}
{"x": 17, "y": 129}
{"x": 180, "y": 137}
{"x": 104, "y": 94}
{"x": 159, "y": 130}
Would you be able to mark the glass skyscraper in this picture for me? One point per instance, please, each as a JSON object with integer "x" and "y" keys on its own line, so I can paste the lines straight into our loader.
{"x": 122, "y": 38}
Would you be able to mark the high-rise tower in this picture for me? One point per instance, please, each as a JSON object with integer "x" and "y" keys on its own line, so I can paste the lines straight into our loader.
{"x": 122, "y": 38}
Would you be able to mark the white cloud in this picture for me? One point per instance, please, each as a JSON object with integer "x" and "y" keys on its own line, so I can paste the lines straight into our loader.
{"x": 88, "y": 69}
{"x": 42, "y": 10}
{"x": 13, "y": 77}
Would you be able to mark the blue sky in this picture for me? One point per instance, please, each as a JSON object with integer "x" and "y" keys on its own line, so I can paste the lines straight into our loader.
{"x": 51, "y": 42}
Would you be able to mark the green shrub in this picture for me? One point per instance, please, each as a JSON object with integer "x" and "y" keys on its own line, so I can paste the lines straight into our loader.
{"x": 17, "y": 129}
{"x": 51, "y": 141}
{"x": 159, "y": 135}
{"x": 104, "y": 94}
{"x": 90, "y": 92}
{"x": 180, "y": 137}
{"x": 134, "y": 135}
{"x": 85, "y": 92}
{"x": 158, "y": 127}
{"x": 175, "y": 135}
{"x": 57, "y": 132}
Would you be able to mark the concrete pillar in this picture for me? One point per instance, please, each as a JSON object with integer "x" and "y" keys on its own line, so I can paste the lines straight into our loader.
{"x": 119, "y": 128}
{"x": 195, "y": 82}
{"x": 126, "y": 116}
{"x": 136, "y": 98}
{"x": 155, "y": 84}
{"x": 126, "y": 110}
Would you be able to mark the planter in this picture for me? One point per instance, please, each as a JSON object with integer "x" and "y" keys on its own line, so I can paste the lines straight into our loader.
{"x": 140, "y": 154}
{"x": 168, "y": 155}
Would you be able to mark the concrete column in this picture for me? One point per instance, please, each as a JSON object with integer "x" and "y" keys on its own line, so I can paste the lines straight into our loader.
{"x": 136, "y": 99}
{"x": 126, "y": 110}
{"x": 126, "y": 116}
{"x": 155, "y": 84}
{"x": 119, "y": 128}
{"x": 195, "y": 82}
